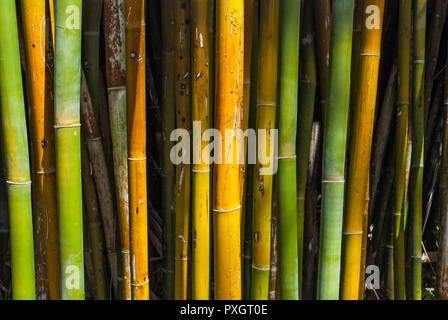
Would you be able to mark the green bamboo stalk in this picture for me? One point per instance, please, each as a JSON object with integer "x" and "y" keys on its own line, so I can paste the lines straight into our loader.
{"x": 307, "y": 99}
{"x": 68, "y": 16}
{"x": 400, "y": 146}
{"x": 417, "y": 160}
{"x": 287, "y": 123}
{"x": 15, "y": 152}
{"x": 334, "y": 146}
{"x": 265, "y": 120}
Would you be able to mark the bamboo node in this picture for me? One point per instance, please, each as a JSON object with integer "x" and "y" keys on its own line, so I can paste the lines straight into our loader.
{"x": 200, "y": 171}
{"x": 334, "y": 181}
{"x": 286, "y": 157}
{"x": 45, "y": 172}
{"x": 419, "y": 61}
{"x": 353, "y": 233}
{"x": 116, "y": 88}
{"x": 94, "y": 139}
{"x": 260, "y": 269}
{"x": 138, "y": 159}
{"x": 124, "y": 251}
{"x": 226, "y": 211}
{"x": 366, "y": 54}
{"x": 18, "y": 183}
{"x": 62, "y": 126}
{"x": 140, "y": 284}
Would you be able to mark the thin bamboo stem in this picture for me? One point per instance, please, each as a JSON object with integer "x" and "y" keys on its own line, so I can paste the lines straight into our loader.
{"x": 266, "y": 116}
{"x": 400, "y": 146}
{"x": 114, "y": 27}
{"x": 136, "y": 120}
{"x": 201, "y": 168}
{"x": 417, "y": 161}
{"x": 183, "y": 170}
{"x": 168, "y": 125}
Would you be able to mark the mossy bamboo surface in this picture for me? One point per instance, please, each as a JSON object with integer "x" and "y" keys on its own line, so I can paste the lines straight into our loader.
{"x": 37, "y": 32}
{"x": 417, "y": 158}
{"x": 15, "y": 153}
{"x": 168, "y": 125}
{"x": 93, "y": 222}
{"x": 360, "y": 147}
{"x": 100, "y": 174}
{"x": 201, "y": 168}
{"x": 226, "y": 195}
{"x": 114, "y": 27}
{"x": 183, "y": 170}
{"x": 266, "y": 117}
{"x": 334, "y": 145}
{"x": 442, "y": 271}
{"x": 400, "y": 145}
{"x": 273, "y": 274}
{"x": 136, "y": 120}
{"x": 289, "y": 44}
{"x": 68, "y": 21}
{"x": 307, "y": 99}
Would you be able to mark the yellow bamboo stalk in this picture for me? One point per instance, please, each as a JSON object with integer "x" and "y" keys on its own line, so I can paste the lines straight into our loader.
{"x": 183, "y": 170}
{"x": 361, "y": 144}
{"x": 40, "y": 73}
{"x": 266, "y": 111}
{"x": 226, "y": 196}
{"x": 201, "y": 169}
{"x": 136, "y": 113}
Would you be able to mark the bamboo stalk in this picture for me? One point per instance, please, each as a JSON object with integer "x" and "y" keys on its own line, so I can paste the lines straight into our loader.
{"x": 249, "y": 11}
{"x": 273, "y": 274}
{"x": 91, "y": 49}
{"x": 168, "y": 125}
{"x": 334, "y": 145}
{"x": 417, "y": 161}
{"x": 400, "y": 146}
{"x": 68, "y": 16}
{"x": 136, "y": 120}
{"x": 266, "y": 114}
{"x": 114, "y": 27}
{"x": 288, "y": 223}
{"x": 323, "y": 21}
{"x": 307, "y": 99}
{"x": 226, "y": 196}
{"x": 360, "y": 147}
{"x": 183, "y": 170}
{"x": 100, "y": 174}
{"x": 15, "y": 153}
{"x": 201, "y": 168}
{"x": 93, "y": 222}
{"x": 248, "y": 194}
{"x": 435, "y": 34}
{"x": 40, "y": 89}
{"x": 442, "y": 271}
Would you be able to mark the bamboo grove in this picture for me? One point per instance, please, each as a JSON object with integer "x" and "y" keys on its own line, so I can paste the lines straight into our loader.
{"x": 224, "y": 149}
